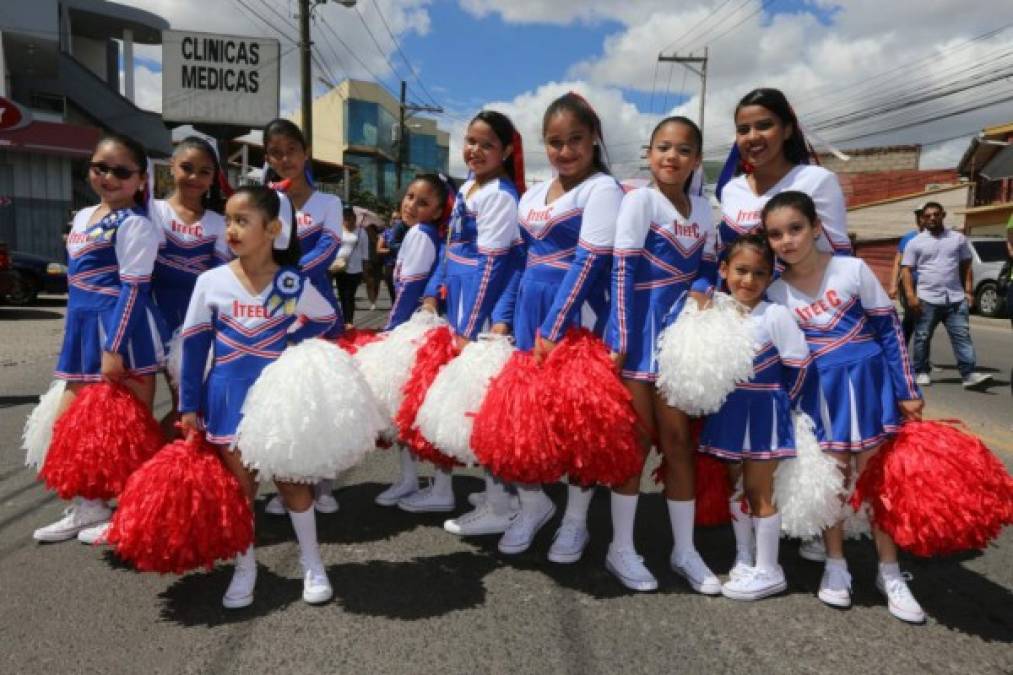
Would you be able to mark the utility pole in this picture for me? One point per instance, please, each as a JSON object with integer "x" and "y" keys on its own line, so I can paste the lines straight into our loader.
{"x": 688, "y": 62}
{"x": 305, "y": 54}
{"x": 402, "y": 135}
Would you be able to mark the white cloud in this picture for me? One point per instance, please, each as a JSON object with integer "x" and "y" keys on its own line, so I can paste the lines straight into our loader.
{"x": 944, "y": 155}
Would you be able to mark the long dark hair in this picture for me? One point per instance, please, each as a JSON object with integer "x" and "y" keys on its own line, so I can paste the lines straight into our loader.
{"x": 796, "y": 150}
{"x": 754, "y": 240}
{"x": 694, "y": 130}
{"x": 214, "y": 198}
{"x": 288, "y": 129}
{"x": 576, "y": 104}
{"x": 507, "y": 134}
{"x": 444, "y": 189}
{"x": 793, "y": 199}
{"x": 267, "y": 200}
{"x": 138, "y": 154}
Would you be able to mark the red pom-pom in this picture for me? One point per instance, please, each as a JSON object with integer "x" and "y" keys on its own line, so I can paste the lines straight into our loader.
{"x": 937, "y": 490}
{"x": 437, "y": 349}
{"x": 104, "y": 436}
{"x": 353, "y": 338}
{"x": 180, "y": 511}
{"x": 513, "y": 435}
{"x": 711, "y": 476}
{"x": 592, "y": 412}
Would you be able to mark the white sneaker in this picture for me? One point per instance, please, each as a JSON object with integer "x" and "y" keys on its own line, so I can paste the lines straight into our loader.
{"x": 94, "y": 535}
{"x": 518, "y": 537}
{"x": 372, "y": 307}
{"x": 326, "y": 503}
{"x": 899, "y": 600}
{"x": 813, "y": 550}
{"x": 742, "y": 566}
{"x": 481, "y": 520}
{"x": 240, "y": 591}
{"x": 629, "y": 569}
{"x": 754, "y": 584}
{"x": 476, "y": 499}
{"x": 76, "y": 517}
{"x": 923, "y": 380}
{"x": 694, "y": 570}
{"x": 835, "y": 586}
{"x": 316, "y": 587}
{"x": 976, "y": 380}
{"x": 427, "y": 500}
{"x": 569, "y": 542}
{"x": 396, "y": 492}
{"x": 275, "y": 506}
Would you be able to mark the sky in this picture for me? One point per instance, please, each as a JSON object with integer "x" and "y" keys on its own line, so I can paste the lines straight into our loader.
{"x": 859, "y": 73}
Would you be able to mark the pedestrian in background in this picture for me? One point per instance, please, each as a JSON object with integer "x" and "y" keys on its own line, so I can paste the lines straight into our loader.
{"x": 908, "y": 317}
{"x": 348, "y": 266}
{"x": 940, "y": 259}
{"x": 373, "y": 269}
{"x": 388, "y": 246}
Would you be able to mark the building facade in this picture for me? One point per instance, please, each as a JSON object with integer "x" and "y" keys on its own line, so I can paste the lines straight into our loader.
{"x": 988, "y": 165}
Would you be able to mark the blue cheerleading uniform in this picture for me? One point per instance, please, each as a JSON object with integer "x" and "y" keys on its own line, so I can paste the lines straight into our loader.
{"x": 476, "y": 266}
{"x": 246, "y": 337}
{"x": 567, "y": 249}
{"x": 417, "y": 259}
{"x": 185, "y": 251}
{"x": 857, "y": 344}
{"x": 658, "y": 256}
{"x": 109, "y": 297}
{"x": 755, "y": 420}
{"x": 318, "y": 224}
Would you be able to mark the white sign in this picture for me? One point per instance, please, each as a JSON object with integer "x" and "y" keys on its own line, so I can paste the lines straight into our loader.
{"x": 219, "y": 79}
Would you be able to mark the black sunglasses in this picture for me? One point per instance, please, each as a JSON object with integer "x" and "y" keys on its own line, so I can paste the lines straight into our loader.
{"x": 119, "y": 172}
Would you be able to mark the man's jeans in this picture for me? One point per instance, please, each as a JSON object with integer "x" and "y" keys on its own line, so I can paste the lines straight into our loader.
{"x": 956, "y": 318}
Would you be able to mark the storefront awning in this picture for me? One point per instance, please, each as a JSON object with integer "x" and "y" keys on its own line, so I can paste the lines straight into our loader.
{"x": 52, "y": 138}
{"x": 1000, "y": 166}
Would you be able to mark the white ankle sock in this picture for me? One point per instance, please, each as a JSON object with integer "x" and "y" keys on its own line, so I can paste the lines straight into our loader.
{"x": 578, "y": 501}
{"x": 443, "y": 482}
{"x": 888, "y": 570}
{"x": 532, "y": 497}
{"x": 247, "y": 559}
{"x": 768, "y": 537}
{"x": 624, "y": 514}
{"x": 305, "y": 526}
{"x": 324, "y": 487}
{"x": 681, "y": 515}
{"x": 496, "y": 495}
{"x": 409, "y": 472}
{"x": 742, "y": 526}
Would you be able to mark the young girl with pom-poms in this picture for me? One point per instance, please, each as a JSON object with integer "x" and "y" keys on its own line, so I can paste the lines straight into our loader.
{"x": 318, "y": 222}
{"x": 192, "y": 229}
{"x": 471, "y": 276}
{"x": 866, "y": 387}
{"x": 664, "y": 248}
{"x": 754, "y": 428}
{"x": 249, "y": 310}
{"x": 568, "y": 228}
{"x": 111, "y": 331}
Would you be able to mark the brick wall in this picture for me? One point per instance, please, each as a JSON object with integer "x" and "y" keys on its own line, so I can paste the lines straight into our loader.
{"x": 879, "y": 256}
{"x": 865, "y": 188}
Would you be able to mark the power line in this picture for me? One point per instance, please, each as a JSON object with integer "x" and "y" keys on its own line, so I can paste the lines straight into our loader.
{"x": 326, "y": 24}
{"x": 404, "y": 58}
{"x": 376, "y": 43}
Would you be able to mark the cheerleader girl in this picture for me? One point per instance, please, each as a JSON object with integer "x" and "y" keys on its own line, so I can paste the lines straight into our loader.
{"x": 471, "y": 276}
{"x": 568, "y": 226}
{"x": 866, "y": 384}
{"x": 318, "y": 221}
{"x": 753, "y": 428}
{"x": 771, "y": 155}
{"x": 231, "y": 309}
{"x": 111, "y": 332}
{"x": 192, "y": 233}
{"x": 664, "y": 248}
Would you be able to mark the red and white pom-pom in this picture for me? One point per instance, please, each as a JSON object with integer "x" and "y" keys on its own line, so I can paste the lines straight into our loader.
{"x": 181, "y": 511}
{"x": 38, "y": 432}
{"x": 104, "y": 436}
{"x": 174, "y": 359}
{"x": 937, "y": 490}
{"x": 857, "y": 523}
{"x": 704, "y": 354}
{"x": 447, "y": 415}
{"x": 513, "y": 435}
{"x": 808, "y": 488}
{"x": 438, "y": 348}
{"x": 712, "y": 491}
{"x": 592, "y": 412}
{"x": 355, "y": 338}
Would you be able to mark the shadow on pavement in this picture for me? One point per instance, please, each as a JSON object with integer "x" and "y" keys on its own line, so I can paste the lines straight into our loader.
{"x": 12, "y": 401}
{"x": 20, "y": 313}
{"x": 196, "y": 599}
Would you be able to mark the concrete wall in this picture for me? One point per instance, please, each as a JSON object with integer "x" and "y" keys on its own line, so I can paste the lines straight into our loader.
{"x": 888, "y": 158}
{"x": 895, "y": 217}
{"x": 92, "y": 53}
{"x": 40, "y": 189}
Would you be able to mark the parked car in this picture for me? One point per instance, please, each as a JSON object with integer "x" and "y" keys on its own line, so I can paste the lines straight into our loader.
{"x": 6, "y": 274}
{"x": 33, "y": 274}
{"x": 989, "y": 257}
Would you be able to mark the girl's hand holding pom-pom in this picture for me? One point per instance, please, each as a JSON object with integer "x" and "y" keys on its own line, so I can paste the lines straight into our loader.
{"x": 429, "y": 304}
{"x": 542, "y": 348}
{"x": 113, "y": 369}
{"x": 188, "y": 421}
{"x": 617, "y": 360}
{"x": 912, "y": 409}
{"x": 500, "y": 329}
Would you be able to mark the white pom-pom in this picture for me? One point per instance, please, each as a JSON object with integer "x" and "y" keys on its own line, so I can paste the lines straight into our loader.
{"x": 808, "y": 489}
{"x": 703, "y": 354}
{"x": 387, "y": 363}
{"x": 856, "y": 523}
{"x": 310, "y": 415}
{"x": 174, "y": 359}
{"x": 446, "y": 416}
{"x": 38, "y": 430}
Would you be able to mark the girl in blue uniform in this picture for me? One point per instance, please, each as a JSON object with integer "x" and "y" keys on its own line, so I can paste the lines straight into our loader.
{"x": 318, "y": 223}
{"x": 664, "y": 250}
{"x": 568, "y": 226}
{"x": 111, "y": 332}
{"x": 232, "y": 310}
{"x": 866, "y": 387}
{"x": 754, "y": 429}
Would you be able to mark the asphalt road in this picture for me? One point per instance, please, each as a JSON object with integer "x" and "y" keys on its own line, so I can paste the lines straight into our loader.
{"x": 410, "y": 598}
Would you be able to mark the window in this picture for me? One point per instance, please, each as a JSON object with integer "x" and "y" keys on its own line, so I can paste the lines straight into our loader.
{"x": 990, "y": 251}
{"x": 362, "y": 123}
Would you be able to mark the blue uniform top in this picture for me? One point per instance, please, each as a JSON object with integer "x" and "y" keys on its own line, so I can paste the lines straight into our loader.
{"x": 417, "y": 259}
